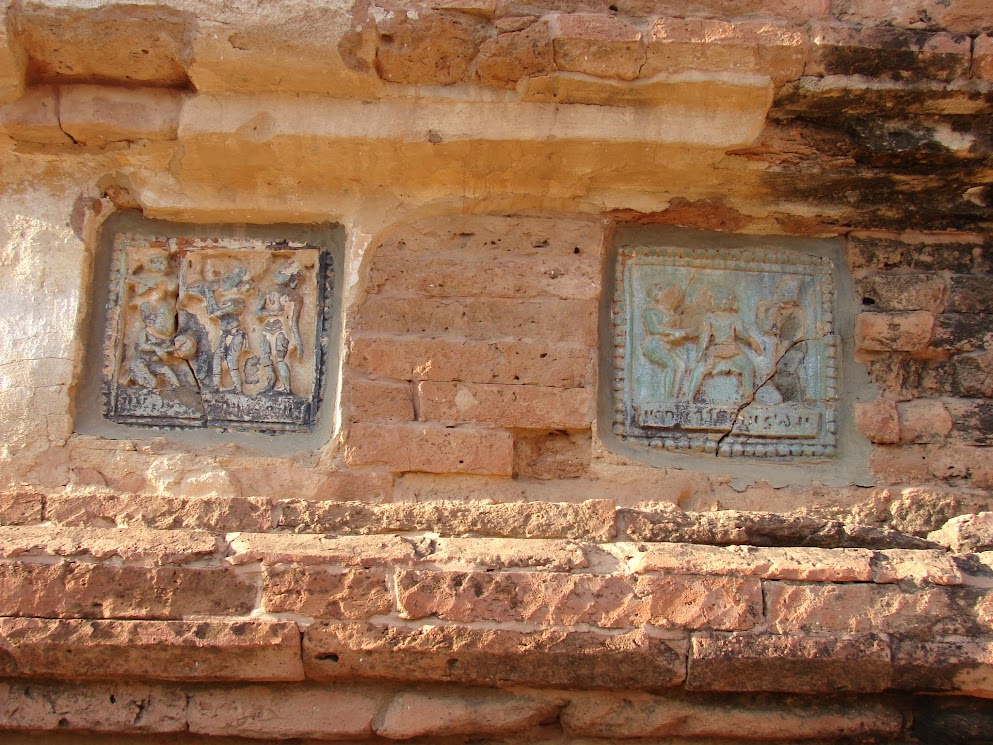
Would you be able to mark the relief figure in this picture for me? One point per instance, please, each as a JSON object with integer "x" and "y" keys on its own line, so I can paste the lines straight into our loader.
{"x": 789, "y": 320}
{"x": 233, "y": 342}
{"x": 279, "y": 313}
{"x": 720, "y": 350}
{"x": 664, "y": 338}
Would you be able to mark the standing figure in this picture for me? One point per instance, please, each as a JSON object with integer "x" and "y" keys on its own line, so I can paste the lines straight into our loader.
{"x": 232, "y": 341}
{"x": 791, "y": 353}
{"x": 720, "y": 351}
{"x": 663, "y": 335}
{"x": 279, "y": 311}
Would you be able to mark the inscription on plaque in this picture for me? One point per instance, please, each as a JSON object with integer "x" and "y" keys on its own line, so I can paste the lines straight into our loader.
{"x": 728, "y": 352}
{"x": 213, "y": 332}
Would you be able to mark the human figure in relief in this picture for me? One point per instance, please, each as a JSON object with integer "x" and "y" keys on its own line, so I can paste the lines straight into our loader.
{"x": 233, "y": 341}
{"x": 790, "y": 321}
{"x": 664, "y": 336}
{"x": 720, "y": 349}
{"x": 279, "y": 311}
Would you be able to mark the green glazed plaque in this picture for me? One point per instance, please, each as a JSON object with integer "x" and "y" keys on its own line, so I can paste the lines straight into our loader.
{"x": 729, "y": 352}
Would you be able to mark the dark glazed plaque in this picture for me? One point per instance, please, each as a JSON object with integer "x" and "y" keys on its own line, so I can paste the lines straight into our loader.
{"x": 730, "y": 352}
{"x": 223, "y": 332}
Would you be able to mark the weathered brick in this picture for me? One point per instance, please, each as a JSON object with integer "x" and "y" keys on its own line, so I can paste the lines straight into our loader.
{"x": 792, "y": 664}
{"x": 72, "y": 590}
{"x": 563, "y": 275}
{"x": 921, "y": 252}
{"x": 519, "y": 53}
{"x": 805, "y": 564}
{"x": 888, "y": 53}
{"x": 543, "y": 320}
{"x": 320, "y": 593}
{"x": 508, "y": 553}
{"x": 631, "y": 715}
{"x": 923, "y": 421}
{"x": 516, "y": 406}
{"x": 955, "y": 461}
{"x": 864, "y": 608}
{"x": 527, "y": 363}
{"x": 98, "y": 115}
{"x": 589, "y": 520}
{"x": 132, "y": 545}
{"x": 560, "y": 599}
{"x": 285, "y": 712}
{"x": 552, "y": 455}
{"x": 464, "y": 712}
{"x": 966, "y": 533}
{"x": 893, "y": 332}
{"x": 20, "y": 508}
{"x": 121, "y": 708}
{"x": 680, "y": 45}
{"x": 346, "y": 551}
{"x": 498, "y": 657}
{"x": 963, "y": 666}
{"x": 431, "y": 448}
{"x": 970, "y": 420}
{"x": 973, "y": 374}
{"x": 159, "y": 512}
{"x": 970, "y": 293}
{"x": 600, "y": 45}
{"x": 878, "y": 421}
{"x": 427, "y": 47}
{"x": 982, "y": 57}
{"x": 963, "y": 332}
{"x": 380, "y": 401}
{"x": 931, "y": 566}
{"x": 964, "y": 16}
{"x": 900, "y": 376}
{"x": 34, "y": 117}
{"x": 897, "y": 291}
{"x": 154, "y": 650}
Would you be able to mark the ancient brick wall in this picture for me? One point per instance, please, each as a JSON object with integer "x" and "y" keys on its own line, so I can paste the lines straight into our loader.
{"x": 463, "y": 546}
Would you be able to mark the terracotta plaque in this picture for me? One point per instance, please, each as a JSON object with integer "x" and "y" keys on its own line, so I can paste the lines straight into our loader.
{"x": 216, "y": 332}
{"x": 729, "y": 352}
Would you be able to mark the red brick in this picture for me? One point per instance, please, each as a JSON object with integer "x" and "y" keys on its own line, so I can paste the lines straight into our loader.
{"x": 132, "y": 545}
{"x": 963, "y": 666}
{"x": 791, "y": 664}
{"x": 923, "y": 421}
{"x": 592, "y": 520}
{"x": 974, "y": 374}
{"x": 963, "y": 332}
{"x": 632, "y": 715}
{"x": 864, "y": 608}
{"x": 155, "y": 650}
{"x": 922, "y": 252}
{"x": 336, "y": 650}
{"x": 73, "y": 590}
{"x": 121, "y": 708}
{"x": 20, "y": 508}
{"x": 553, "y": 455}
{"x": 902, "y": 291}
{"x": 380, "y": 401}
{"x": 680, "y": 45}
{"x": 221, "y": 514}
{"x": 561, "y": 599}
{"x": 878, "y": 421}
{"x": 543, "y": 320}
{"x": 520, "y": 53}
{"x": 508, "y": 553}
{"x": 974, "y": 464}
{"x": 463, "y": 712}
{"x": 962, "y": 16}
{"x": 515, "y": 406}
{"x": 285, "y": 712}
{"x": 893, "y": 332}
{"x": 320, "y": 593}
{"x": 567, "y": 276}
{"x": 982, "y": 58}
{"x": 427, "y": 47}
{"x": 431, "y": 448}
{"x": 526, "y": 363}
{"x": 600, "y": 45}
{"x": 885, "y": 52}
{"x": 322, "y": 550}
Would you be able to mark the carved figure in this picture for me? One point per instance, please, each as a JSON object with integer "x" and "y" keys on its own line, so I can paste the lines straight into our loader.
{"x": 720, "y": 351}
{"x": 279, "y": 311}
{"x": 790, "y": 323}
{"x": 232, "y": 341}
{"x": 158, "y": 290}
{"x": 664, "y": 336}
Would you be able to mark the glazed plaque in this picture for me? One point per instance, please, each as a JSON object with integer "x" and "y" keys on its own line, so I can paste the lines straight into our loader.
{"x": 226, "y": 333}
{"x": 730, "y": 352}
